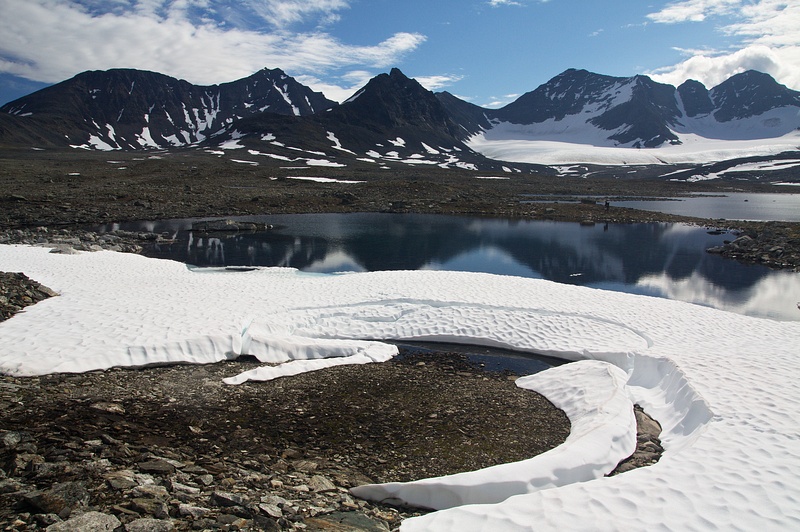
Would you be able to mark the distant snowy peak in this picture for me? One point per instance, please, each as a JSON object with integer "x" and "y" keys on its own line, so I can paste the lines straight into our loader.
{"x": 582, "y": 107}
{"x": 750, "y": 94}
{"x": 133, "y": 109}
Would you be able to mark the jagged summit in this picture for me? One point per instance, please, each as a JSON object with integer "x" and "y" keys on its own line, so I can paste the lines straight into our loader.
{"x": 130, "y": 109}
{"x": 695, "y": 99}
{"x": 749, "y": 94}
{"x": 582, "y": 107}
{"x": 394, "y": 100}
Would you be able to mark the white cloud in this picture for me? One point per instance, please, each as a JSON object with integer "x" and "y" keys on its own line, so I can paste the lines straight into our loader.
{"x": 499, "y": 101}
{"x": 693, "y": 10}
{"x": 349, "y": 84}
{"x": 285, "y": 12}
{"x": 50, "y": 40}
{"x": 767, "y": 33}
{"x": 434, "y": 83}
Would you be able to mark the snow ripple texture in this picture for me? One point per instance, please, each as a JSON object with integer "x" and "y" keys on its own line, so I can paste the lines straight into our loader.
{"x": 721, "y": 385}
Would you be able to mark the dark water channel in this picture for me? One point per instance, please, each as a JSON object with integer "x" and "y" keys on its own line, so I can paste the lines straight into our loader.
{"x": 487, "y": 358}
{"x": 657, "y": 259}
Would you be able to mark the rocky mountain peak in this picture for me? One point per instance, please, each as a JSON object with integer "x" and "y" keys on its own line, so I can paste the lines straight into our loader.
{"x": 394, "y": 100}
{"x": 695, "y": 98}
{"x": 750, "y": 93}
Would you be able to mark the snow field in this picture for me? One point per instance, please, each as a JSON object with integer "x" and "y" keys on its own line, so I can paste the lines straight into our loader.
{"x": 721, "y": 384}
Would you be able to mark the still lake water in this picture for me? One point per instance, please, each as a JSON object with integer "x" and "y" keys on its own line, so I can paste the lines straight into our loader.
{"x": 657, "y": 259}
{"x": 733, "y": 206}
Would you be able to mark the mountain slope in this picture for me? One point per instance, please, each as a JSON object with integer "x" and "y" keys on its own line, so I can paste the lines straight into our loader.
{"x": 132, "y": 109}
{"x": 391, "y": 120}
{"x": 578, "y": 115}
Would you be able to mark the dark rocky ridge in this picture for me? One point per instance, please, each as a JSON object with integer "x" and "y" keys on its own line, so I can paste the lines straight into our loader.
{"x": 131, "y": 109}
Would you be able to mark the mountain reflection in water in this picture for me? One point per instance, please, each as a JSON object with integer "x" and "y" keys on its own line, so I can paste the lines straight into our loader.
{"x": 659, "y": 259}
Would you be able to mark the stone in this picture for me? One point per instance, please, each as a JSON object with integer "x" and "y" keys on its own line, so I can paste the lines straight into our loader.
{"x": 265, "y": 524}
{"x": 206, "y": 480}
{"x": 271, "y": 510}
{"x": 121, "y": 480}
{"x": 305, "y": 466}
{"x": 153, "y": 507}
{"x": 157, "y": 466}
{"x": 12, "y": 438}
{"x": 151, "y": 490}
{"x": 321, "y": 484}
{"x": 350, "y": 521}
{"x": 195, "y": 512}
{"x": 183, "y": 488}
{"x": 147, "y": 524}
{"x": 111, "y": 408}
{"x": 88, "y": 522}
{"x": 24, "y": 462}
{"x": 225, "y": 499}
{"x": 60, "y": 499}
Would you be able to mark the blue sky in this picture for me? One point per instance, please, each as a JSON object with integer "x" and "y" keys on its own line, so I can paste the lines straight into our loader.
{"x": 486, "y": 51}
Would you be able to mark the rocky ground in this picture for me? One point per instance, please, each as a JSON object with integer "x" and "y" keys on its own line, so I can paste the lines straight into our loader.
{"x": 70, "y": 190}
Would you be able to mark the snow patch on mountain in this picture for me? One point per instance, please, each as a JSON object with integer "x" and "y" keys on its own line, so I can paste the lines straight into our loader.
{"x": 774, "y": 123}
{"x": 509, "y": 143}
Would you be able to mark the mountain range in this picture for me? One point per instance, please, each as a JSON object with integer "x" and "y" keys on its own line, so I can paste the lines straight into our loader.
{"x": 393, "y": 119}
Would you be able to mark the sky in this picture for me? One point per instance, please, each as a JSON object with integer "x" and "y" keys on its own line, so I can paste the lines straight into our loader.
{"x": 488, "y": 52}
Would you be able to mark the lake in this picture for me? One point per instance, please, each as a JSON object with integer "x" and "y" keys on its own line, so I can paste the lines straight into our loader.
{"x": 657, "y": 259}
{"x": 733, "y": 206}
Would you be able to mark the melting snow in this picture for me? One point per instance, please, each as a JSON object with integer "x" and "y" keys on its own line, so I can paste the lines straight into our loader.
{"x": 324, "y": 162}
{"x": 720, "y": 384}
{"x": 324, "y": 180}
{"x": 336, "y": 144}
{"x": 232, "y": 144}
{"x": 430, "y": 150}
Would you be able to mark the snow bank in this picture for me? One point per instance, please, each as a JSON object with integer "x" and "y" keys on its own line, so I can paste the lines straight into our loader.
{"x": 721, "y": 384}
{"x": 603, "y": 433}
